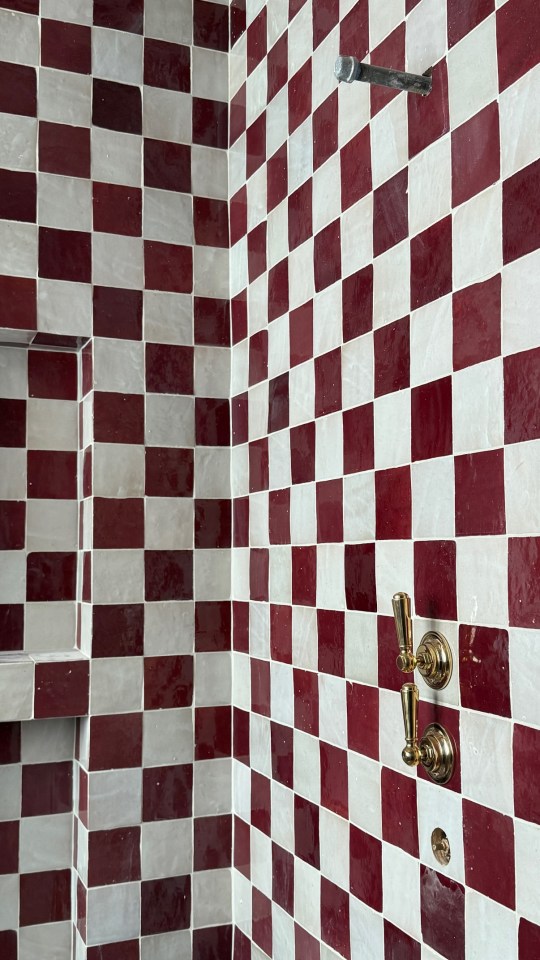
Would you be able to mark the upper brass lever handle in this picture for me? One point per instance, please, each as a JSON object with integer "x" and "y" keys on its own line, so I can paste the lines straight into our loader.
{"x": 435, "y": 751}
{"x": 433, "y": 657}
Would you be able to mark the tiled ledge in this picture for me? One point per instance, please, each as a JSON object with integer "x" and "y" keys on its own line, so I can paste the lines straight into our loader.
{"x": 40, "y": 686}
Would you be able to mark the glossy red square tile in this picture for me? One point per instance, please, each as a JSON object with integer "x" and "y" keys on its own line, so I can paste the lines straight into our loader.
{"x": 212, "y": 523}
{"x": 521, "y": 212}
{"x": 239, "y": 317}
{"x": 240, "y": 419}
{"x": 304, "y": 575}
{"x": 237, "y": 114}
{"x": 10, "y": 745}
{"x": 278, "y": 290}
{"x": 331, "y": 642}
{"x": 119, "y": 14}
{"x": 334, "y": 779}
{"x": 431, "y": 419}
{"x": 335, "y": 921}
{"x": 114, "y": 856}
{"x": 116, "y": 741}
{"x": 61, "y": 689}
{"x": 256, "y": 242}
{"x": 358, "y": 439}
{"x": 279, "y": 521}
{"x": 167, "y": 166}
{"x": 116, "y": 106}
{"x": 477, "y": 323}
{"x": 212, "y": 321}
{"x": 258, "y": 465}
{"x": 522, "y": 396}
{"x": 238, "y": 211}
{"x": 168, "y": 682}
{"x": 212, "y": 842}
{"x": 363, "y": 719}
{"x": 366, "y": 868}
{"x": 355, "y": 159}
{"x": 255, "y": 145}
{"x": 325, "y": 17}
{"x": 18, "y": 195}
{"x": 392, "y": 357}
{"x": 306, "y": 701}
{"x": 256, "y": 40}
{"x": 242, "y": 847}
{"x": 165, "y": 905}
{"x": 357, "y": 303}
{"x": 117, "y": 209}
{"x": 240, "y": 732}
{"x": 18, "y": 89}
{"x": 484, "y": 669}
{"x": 258, "y": 357}
{"x": 475, "y": 154}
{"x": 301, "y": 333}
{"x": 211, "y": 222}
{"x": 45, "y": 897}
{"x": 261, "y": 912}
{"x": 462, "y": 18}
{"x": 11, "y": 627}
{"x": 9, "y": 843}
{"x": 261, "y": 803}
{"x": 300, "y": 106}
{"x": 325, "y": 130}
{"x": 167, "y": 792}
{"x": 479, "y": 493}
{"x": 210, "y": 943}
{"x": 393, "y": 504}
{"x": 240, "y": 514}
{"x": 390, "y": 212}
{"x": 212, "y": 733}
{"x": 488, "y": 842}
{"x": 12, "y": 524}
{"x": 118, "y": 524}
{"x": 52, "y": 375}
{"x": 431, "y": 263}
{"x": 65, "y": 255}
{"x": 360, "y": 588}
{"x": 306, "y": 831}
{"x": 283, "y": 878}
{"x": 212, "y": 626}
{"x": 51, "y": 576}
{"x": 169, "y": 368}
{"x": 118, "y": 313}
{"x": 329, "y": 506}
{"x": 398, "y": 945}
{"x": 277, "y": 67}
{"x": 242, "y": 946}
{"x": 517, "y": 50}
{"x": 429, "y": 117}
{"x": 300, "y": 214}
{"x": 23, "y": 6}
{"x": 167, "y": 65}
{"x": 212, "y": 422}
{"x": 529, "y": 940}
{"x": 168, "y": 574}
{"x": 328, "y": 397}
{"x": 276, "y": 179}
{"x": 526, "y": 773}
{"x": 327, "y": 256}
{"x": 8, "y": 938}
{"x": 442, "y": 902}
{"x": 126, "y": 950}
{"x": 281, "y": 633}
{"x": 210, "y": 123}
{"x": 169, "y": 472}
{"x": 281, "y": 749}
{"x": 52, "y": 474}
{"x": 305, "y": 945}
{"x": 260, "y": 687}
{"x": 117, "y": 630}
{"x": 46, "y": 788}
{"x": 64, "y": 149}
{"x": 354, "y": 30}
{"x": 390, "y": 53}
{"x": 210, "y": 25}
{"x": 18, "y": 296}
{"x": 399, "y": 815}
{"x": 435, "y": 579}
{"x": 168, "y": 267}
{"x": 259, "y": 564}
{"x": 66, "y": 46}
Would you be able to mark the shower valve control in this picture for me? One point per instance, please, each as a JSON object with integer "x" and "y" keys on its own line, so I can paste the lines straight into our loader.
{"x": 435, "y": 750}
{"x": 433, "y": 656}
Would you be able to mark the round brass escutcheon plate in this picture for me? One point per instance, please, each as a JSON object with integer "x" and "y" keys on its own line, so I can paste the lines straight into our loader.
{"x": 440, "y": 845}
{"x": 441, "y": 749}
{"x": 436, "y": 654}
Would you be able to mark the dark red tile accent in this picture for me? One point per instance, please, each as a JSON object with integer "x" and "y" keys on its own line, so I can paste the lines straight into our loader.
{"x": 398, "y": 945}
{"x": 114, "y": 856}
{"x": 65, "y": 255}
{"x": 52, "y": 474}
{"x": 431, "y": 263}
{"x": 392, "y": 357}
{"x": 258, "y": 357}
{"x": 484, "y": 669}
{"x": 18, "y": 195}
{"x": 165, "y": 905}
{"x": 283, "y": 878}
{"x": 443, "y": 913}
{"x": 117, "y": 209}
{"x": 277, "y": 67}
{"x": 211, "y": 25}
{"x": 238, "y": 215}
{"x": 363, "y": 719}
{"x": 212, "y": 733}
{"x": 116, "y": 106}
{"x": 211, "y": 221}
{"x": 366, "y": 868}
{"x": 281, "y": 633}
{"x": 526, "y": 773}
{"x": 335, "y": 921}
{"x": 212, "y": 422}
{"x": 325, "y": 16}
{"x": 118, "y": 630}
{"x": 431, "y": 419}
{"x": 118, "y": 524}
{"x": 399, "y": 816}
{"x": 12, "y": 524}
{"x": 301, "y": 333}
{"x": 261, "y": 803}
{"x": 168, "y": 266}
{"x": 119, "y": 15}
{"x": 45, "y": 897}
{"x": 475, "y": 154}
{"x": 521, "y": 212}
{"x": 167, "y": 166}
{"x": 390, "y": 212}
{"x": 210, "y": 943}
{"x": 331, "y": 642}
{"x": 300, "y": 214}
{"x": 167, "y": 792}
{"x": 241, "y": 726}
{"x": 10, "y": 743}
{"x": 64, "y": 149}
{"x": 168, "y": 682}
{"x": 61, "y": 689}
{"x": 212, "y": 322}
{"x": 479, "y": 493}
{"x": 488, "y": 841}
{"x": 237, "y": 114}
{"x": 169, "y": 472}
{"x": 259, "y": 564}
{"x": 66, "y": 46}
{"x": 276, "y": 178}
{"x": 8, "y": 938}
{"x": 51, "y": 576}
{"x": 354, "y": 30}
{"x": 306, "y": 831}
{"x": 256, "y": 241}
{"x": 255, "y": 145}
{"x": 11, "y": 627}
{"x": 212, "y": 842}
{"x": 118, "y": 417}
{"x": 355, "y": 158}
{"x": 329, "y": 506}
{"x": 9, "y": 844}
{"x": 126, "y": 950}
{"x": 388, "y": 678}
{"x": 305, "y": 945}
{"x": 360, "y": 588}
{"x": 46, "y": 789}
{"x": 358, "y": 439}
{"x": 529, "y": 940}
{"x": 240, "y": 419}
{"x": 279, "y": 525}
{"x": 429, "y": 117}
{"x": 212, "y": 523}
{"x": 242, "y": 946}
{"x": 167, "y": 65}
{"x": 523, "y": 573}
{"x": 281, "y": 748}
{"x": 522, "y": 396}
{"x": 304, "y": 576}
{"x": 210, "y": 123}
{"x": 325, "y": 130}
{"x": 462, "y": 18}
{"x": 169, "y": 368}
{"x": 306, "y": 701}
{"x": 118, "y": 313}
{"x": 212, "y": 626}
{"x": 18, "y": 299}
{"x": 299, "y": 91}
{"x": 12, "y": 423}
{"x": 52, "y": 375}
{"x": 261, "y": 911}
{"x": 116, "y": 741}
{"x": 328, "y": 383}
{"x": 242, "y": 847}
{"x": 23, "y": 6}
{"x": 517, "y": 30}
{"x": 256, "y": 40}
{"x": 168, "y": 574}
{"x": 435, "y": 579}
{"x": 327, "y": 256}
{"x": 334, "y": 779}
{"x": 258, "y": 465}
{"x": 18, "y": 89}
{"x": 357, "y": 303}
{"x": 278, "y": 290}
{"x": 389, "y": 53}
{"x": 477, "y": 323}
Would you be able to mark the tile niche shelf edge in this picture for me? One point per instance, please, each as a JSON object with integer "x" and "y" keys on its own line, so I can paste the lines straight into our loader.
{"x": 43, "y": 686}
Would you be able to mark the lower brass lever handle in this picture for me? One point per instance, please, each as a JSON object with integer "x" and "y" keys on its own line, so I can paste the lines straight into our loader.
{"x": 435, "y": 750}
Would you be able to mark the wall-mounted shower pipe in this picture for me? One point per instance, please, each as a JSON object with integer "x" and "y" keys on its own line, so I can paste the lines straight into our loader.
{"x": 349, "y": 69}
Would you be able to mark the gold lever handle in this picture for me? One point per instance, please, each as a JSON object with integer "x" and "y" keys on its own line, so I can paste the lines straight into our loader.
{"x": 401, "y": 604}
{"x": 433, "y": 657}
{"x": 435, "y": 751}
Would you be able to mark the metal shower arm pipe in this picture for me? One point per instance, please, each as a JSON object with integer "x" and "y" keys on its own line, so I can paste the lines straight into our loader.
{"x": 348, "y": 69}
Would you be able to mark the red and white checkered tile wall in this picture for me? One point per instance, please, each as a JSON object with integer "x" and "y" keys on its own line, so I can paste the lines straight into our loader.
{"x": 114, "y": 233}
{"x": 386, "y": 436}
